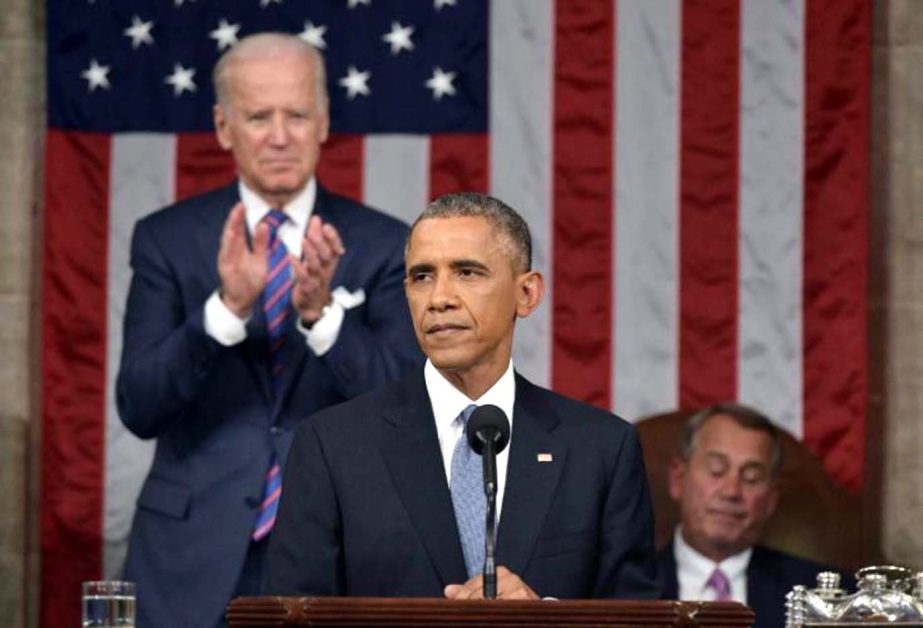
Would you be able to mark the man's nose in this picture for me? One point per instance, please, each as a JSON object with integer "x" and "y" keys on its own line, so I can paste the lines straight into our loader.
{"x": 442, "y": 295}
{"x": 732, "y": 487}
{"x": 278, "y": 133}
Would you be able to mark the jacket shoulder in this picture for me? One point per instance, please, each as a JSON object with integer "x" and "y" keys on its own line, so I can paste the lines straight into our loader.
{"x": 574, "y": 413}
{"x": 191, "y": 211}
{"x": 364, "y": 217}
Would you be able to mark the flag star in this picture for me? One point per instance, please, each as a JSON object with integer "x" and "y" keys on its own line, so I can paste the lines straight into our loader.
{"x": 441, "y": 83}
{"x": 399, "y": 37}
{"x": 140, "y": 32}
{"x": 179, "y": 3}
{"x": 181, "y": 79}
{"x": 352, "y": 4}
{"x": 438, "y": 4}
{"x": 225, "y": 34}
{"x": 314, "y": 35}
{"x": 356, "y": 82}
{"x": 266, "y": 3}
{"x": 96, "y": 75}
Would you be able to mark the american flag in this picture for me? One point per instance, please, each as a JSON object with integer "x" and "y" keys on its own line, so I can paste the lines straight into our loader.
{"x": 694, "y": 172}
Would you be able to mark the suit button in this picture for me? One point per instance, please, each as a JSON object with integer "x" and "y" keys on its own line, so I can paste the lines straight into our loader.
{"x": 252, "y": 502}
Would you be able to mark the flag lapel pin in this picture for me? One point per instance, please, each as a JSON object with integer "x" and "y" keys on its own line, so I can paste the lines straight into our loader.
{"x": 543, "y": 457}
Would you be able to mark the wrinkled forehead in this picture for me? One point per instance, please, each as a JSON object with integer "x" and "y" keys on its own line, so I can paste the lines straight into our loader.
{"x": 721, "y": 435}
{"x": 474, "y": 237}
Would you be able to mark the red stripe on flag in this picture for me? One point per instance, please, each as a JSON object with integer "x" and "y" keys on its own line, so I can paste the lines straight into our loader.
{"x": 709, "y": 151}
{"x": 341, "y": 165}
{"x": 836, "y": 213}
{"x": 201, "y": 165}
{"x": 74, "y": 294}
{"x": 582, "y": 193}
{"x": 459, "y": 162}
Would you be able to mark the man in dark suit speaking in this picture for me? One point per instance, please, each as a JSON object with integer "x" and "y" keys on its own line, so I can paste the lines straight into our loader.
{"x": 376, "y": 503}
{"x": 725, "y": 480}
{"x": 248, "y": 307}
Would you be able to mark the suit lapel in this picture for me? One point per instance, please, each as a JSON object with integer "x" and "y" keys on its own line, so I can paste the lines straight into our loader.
{"x": 765, "y": 589}
{"x": 530, "y": 484}
{"x": 410, "y": 449}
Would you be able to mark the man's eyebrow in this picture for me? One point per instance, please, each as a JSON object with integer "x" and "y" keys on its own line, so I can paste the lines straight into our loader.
{"x": 420, "y": 268}
{"x": 463, "y": 264}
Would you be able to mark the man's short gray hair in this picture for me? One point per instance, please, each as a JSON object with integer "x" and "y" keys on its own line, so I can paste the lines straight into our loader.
{"x": 744, "y": 416}
{"x": 261, "y": 46}
{"x": 503, "y": 217}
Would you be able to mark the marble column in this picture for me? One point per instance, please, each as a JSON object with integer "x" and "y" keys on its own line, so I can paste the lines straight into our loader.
{"x": 22, "y": 53}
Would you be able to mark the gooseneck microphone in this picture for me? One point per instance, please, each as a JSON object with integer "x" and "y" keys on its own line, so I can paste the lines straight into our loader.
{"x": 488, "y": 433}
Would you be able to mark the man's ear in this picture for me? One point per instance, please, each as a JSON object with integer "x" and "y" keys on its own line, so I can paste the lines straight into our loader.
{"x": 530, "y": 288}
{"x": 220, "y": 117}
{"x": 676, "y": 477}
{"x": 773, "y": 499}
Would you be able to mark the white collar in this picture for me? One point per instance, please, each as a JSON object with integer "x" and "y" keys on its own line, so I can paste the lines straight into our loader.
{"x": 448, "y": 401}
{"x": 298, "y": 209}
{"x": 700, "y": 567}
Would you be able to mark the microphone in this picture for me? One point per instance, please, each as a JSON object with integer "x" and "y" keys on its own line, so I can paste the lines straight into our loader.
{"x": 488, "y": 433}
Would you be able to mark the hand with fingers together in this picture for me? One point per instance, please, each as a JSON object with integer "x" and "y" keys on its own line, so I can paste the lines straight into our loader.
{"x": 242, "y": 269}
{"x": 321, "y": 249}
{"x": 509, "y": 587}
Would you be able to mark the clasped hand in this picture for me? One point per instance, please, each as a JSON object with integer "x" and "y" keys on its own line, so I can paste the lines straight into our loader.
{"x": 509, "y": 587}
{"x": 243, "y": 269}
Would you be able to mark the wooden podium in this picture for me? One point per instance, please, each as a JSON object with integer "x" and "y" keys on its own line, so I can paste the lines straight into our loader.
{"x": 356, "y": 612}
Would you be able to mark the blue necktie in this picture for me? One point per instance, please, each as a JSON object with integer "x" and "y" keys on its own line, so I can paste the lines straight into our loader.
{"x": 468, "y": 499}
{"x": 276, "y": 300}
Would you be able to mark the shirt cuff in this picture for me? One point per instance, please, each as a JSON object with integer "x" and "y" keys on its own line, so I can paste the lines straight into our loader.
{"x": 222, "y": 324}
{"x": 325, "y": 330}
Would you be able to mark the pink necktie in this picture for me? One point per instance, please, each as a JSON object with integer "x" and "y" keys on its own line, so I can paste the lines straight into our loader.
{"x": 720, "y": 584}
{"x": 276, "y": 300}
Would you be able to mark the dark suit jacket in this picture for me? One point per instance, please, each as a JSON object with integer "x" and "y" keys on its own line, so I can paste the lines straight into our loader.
{"x": 367, "y": 511}
{"x": 212, "y": 408}
{"x": 770, "y": 575}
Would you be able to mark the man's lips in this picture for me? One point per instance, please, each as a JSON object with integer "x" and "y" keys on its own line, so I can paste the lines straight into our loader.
{"x": 444, "y": 329}
{"x": 731, "y": 515}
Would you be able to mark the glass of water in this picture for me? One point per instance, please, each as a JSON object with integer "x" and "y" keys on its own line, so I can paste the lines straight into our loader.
{"x": 108, "y": 604}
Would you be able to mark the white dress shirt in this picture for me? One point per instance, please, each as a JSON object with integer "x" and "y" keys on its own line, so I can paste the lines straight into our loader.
{"x": 693, "y": 570}
{"x": 448, "y": 403}
{"x": 224, "y": 326}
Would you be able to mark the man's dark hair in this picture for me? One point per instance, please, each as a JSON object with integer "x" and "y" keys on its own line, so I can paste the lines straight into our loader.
{"x": 744, "y": 416}
{"x": 503, "y": 217}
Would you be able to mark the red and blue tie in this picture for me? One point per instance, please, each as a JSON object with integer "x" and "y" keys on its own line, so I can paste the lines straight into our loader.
{"x": 276, "y": 300}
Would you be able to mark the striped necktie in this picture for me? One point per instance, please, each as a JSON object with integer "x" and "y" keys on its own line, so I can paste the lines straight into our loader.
{"x": 277, "y": 296}
{"x": 468, "y": 498}
{"x": 276, "y": 300}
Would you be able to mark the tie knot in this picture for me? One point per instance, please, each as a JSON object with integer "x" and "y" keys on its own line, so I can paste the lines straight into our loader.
{"x": 719, "y": 583}
{"x": 466, "y": 414}
{"x": 274, "y": 218}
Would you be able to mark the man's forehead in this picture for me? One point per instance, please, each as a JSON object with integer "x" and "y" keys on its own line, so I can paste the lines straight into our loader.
{"x": 722, "y": 435}
{"x": 468, "y": 233}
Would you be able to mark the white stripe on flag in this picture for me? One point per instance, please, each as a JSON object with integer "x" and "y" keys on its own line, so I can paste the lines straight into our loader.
{"x": 521, "y": 67}
{"x": 395, "y": 173}
{"x": 646, "y": 290}
{"x": 142, "y": 179}
{"x": 771, "y": 169}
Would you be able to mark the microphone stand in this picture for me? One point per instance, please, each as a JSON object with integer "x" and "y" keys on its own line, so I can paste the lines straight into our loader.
{"x": 490, "y": 490}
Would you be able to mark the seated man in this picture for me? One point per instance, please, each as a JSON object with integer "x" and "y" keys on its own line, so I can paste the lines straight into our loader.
{"x": 375, "y": 503}
{"x": 725, "y": 481}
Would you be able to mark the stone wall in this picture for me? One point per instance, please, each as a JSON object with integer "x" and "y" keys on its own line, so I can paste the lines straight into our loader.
{"x": 22, "y": 50}
{"x": 898, "y": 210}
